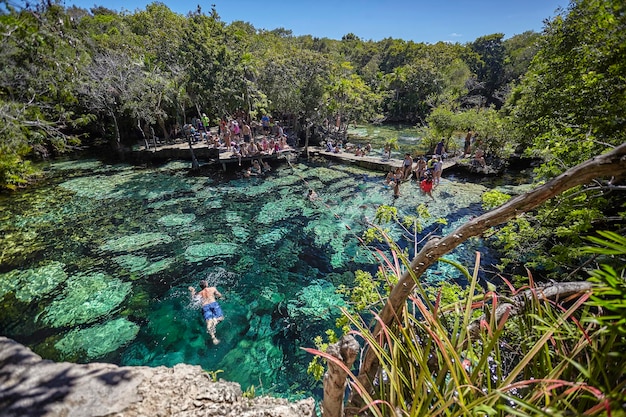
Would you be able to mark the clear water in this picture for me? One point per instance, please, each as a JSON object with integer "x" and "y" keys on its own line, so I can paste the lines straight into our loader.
{"x": 95, "y": 262}
{"x": 408, "y": 138}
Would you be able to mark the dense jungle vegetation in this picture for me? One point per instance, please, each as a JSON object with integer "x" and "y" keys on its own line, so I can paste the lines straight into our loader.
{"x": 78, "y": 78}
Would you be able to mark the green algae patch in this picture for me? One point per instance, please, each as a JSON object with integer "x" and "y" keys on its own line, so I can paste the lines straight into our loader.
{"x": 272, "y": 237}
{"x": 203, "y": 251}
{"x": 86, "y": 298}
{"x": 136, "y": 242}
{"x": 96, "y": 341}
{"x": 318, "y": 301}
{"x": 34, "y": 283}
{"x": 142, "y": 265}
{"x": 177, "y": 219}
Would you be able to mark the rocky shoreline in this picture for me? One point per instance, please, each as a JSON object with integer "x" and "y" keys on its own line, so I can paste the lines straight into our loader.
{"x": 31, "y": 386}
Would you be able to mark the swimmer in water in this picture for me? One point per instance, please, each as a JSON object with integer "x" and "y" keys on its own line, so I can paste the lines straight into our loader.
{"x": 211, "y": 310}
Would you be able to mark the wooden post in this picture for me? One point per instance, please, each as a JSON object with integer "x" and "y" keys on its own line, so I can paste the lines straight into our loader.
{"x": 335, "y": 379}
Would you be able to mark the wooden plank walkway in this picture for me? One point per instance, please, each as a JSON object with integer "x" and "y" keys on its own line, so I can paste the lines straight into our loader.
{"x": 220, "y": 156}
{"x": 203, "y": 152}
{"x": 374, "y": 163}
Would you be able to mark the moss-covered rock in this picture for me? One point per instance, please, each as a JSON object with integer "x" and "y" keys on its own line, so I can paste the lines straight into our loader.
{"x": 30, "y": 284}
{"x": 96, "y": 341}
{"x": 203, "y": 251}
{"x": 136, "y": 242}
{"x": 86, "y": 298}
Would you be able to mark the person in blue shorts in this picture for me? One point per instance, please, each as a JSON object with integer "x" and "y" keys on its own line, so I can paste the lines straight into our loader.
{"x": 211, "y": 310}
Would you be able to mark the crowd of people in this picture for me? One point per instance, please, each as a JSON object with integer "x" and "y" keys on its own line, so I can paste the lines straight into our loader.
{"x": 426, "y": 171}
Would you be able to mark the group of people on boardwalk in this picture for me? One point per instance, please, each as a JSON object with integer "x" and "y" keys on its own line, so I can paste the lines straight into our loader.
{"x": 238, "y": 136}
{"x": 427, "y": 173}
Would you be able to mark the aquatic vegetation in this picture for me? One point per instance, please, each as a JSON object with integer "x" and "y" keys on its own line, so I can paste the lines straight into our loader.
{"x": 78, "y": 165}
{"x": 255, "y": 358}
{"x": 96, "y": 341}
{"x": 315, "y": 302}
{"x": 100, "y": 187}
{"x": 203, "y": 251}
{"x": 86, "y": 297}
{"x": 171, "y": 202}
{"x": 177, "y": 219}
{"x": 286, "y": 255}
{"x": 279, "y": 210}
{"x": 272, "y": 237}
{"x": 142, "y": 265}
{"x": 16, "y": 243}
{"x": 327, "y": 175}
{"x": 135, "y": 242}
{"x": 241, "y": 233}
{"x": 245, "y": 263}
{"x": 31, "y": 284}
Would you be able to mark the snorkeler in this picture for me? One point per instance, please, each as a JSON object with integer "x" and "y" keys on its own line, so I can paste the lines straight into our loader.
{"x": 211, "y": 310}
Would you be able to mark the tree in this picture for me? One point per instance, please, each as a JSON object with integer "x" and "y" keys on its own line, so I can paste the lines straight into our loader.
{"x": 105, "y": 87}
{"x": 40, "y": 58}
{"x": 349, "y": 98}
{"x": 570, "y": 104}
{"x": 486, "y": 60}
{"x": 395, "y": 306}
{"x": 568, "y": 108}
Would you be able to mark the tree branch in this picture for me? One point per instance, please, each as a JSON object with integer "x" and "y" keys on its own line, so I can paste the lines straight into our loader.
{"x": 610, "y": 164}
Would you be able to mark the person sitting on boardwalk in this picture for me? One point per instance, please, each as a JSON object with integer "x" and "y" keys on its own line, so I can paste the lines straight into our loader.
{"x": 479, "y": 156}
{"x": 420, "y": 170}
{"x": 407, "y": 166}
{"x": 211, "y": 310}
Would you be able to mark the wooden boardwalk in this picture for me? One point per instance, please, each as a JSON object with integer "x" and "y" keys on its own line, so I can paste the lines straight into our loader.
{"x": 220, "y": 156}
{"x": 203, "y": 152}
{"x": 374, "y": 163}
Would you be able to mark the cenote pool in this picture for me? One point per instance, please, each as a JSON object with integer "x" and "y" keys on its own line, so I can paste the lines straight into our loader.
{"x": 95, "y": 262}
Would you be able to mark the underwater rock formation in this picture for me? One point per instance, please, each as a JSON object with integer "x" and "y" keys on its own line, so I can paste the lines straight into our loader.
{"x": 35, "y": 387}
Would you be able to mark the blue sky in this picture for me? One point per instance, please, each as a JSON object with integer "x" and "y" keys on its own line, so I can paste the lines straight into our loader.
{"x": 420, "y": 20}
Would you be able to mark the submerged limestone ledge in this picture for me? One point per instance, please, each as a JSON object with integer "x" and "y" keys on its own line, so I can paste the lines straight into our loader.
{"x": 31, "y": 386}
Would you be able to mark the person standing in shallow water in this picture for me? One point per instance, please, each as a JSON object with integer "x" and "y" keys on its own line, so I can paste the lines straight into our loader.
{"x": 211, "y": 310}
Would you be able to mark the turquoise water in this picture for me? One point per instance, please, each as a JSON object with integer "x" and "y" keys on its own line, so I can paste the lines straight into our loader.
{"x": 95, "y": 262}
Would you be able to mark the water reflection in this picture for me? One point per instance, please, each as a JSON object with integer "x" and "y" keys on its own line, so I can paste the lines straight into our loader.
{"x": 96, "y": 262}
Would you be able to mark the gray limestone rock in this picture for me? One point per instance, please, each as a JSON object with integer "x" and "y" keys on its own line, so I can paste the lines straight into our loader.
{"x": 30, "y": 386}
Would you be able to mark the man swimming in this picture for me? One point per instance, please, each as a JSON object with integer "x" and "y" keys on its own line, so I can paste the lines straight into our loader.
{"x": 211, "y": 310}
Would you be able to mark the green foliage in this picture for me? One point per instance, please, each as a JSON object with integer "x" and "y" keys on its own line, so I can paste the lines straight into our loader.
{"x": 250, "y": 392}
{"x": 365, "y": 292}
{"x": 213, "y": 374}
{"x": 568, "y": 107}
{"x": 610, "y": 295}
{"x": 494, "y": 198}
{"x": 541, "y": 361}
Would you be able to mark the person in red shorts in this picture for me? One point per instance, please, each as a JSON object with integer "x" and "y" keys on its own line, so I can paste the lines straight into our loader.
{"x": 427, "y": 185}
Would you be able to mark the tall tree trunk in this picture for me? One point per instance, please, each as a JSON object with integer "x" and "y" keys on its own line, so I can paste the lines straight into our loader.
{"x": 611, "y": 164}
{"x": 143, "y": 135}
{"x": 118, "y": 139}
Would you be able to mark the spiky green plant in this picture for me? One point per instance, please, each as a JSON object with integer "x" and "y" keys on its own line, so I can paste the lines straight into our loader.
{"x": 550, "y": 358}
